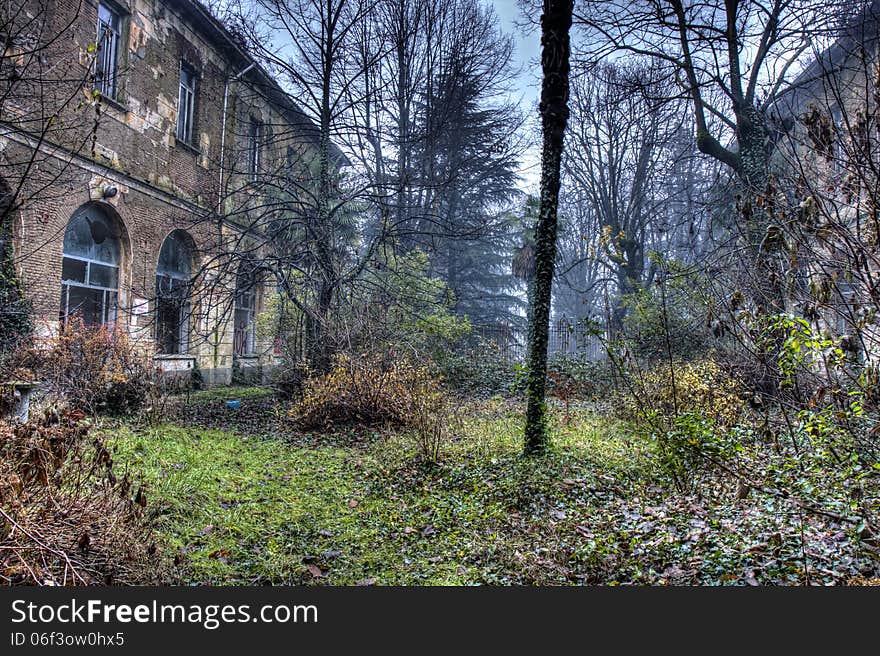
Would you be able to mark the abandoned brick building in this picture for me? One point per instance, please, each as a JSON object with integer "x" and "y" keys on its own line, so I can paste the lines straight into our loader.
{"x": 159, "y": 121}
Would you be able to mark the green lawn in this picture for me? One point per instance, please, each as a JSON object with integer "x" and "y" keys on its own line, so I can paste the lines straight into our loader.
{"x": 254, "y": 502}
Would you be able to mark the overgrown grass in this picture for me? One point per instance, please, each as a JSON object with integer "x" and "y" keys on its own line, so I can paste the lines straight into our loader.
{"x": 244, "y": 506}
{"x": 237, "y": 392}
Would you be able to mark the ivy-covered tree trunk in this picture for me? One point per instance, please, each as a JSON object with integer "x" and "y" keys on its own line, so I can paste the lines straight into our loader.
{"x": 555, "y": 26}
{"x": 318, "y": 324}
{"x": 767, "y": 289}
{"x": 630, "y": 273}
{"x": 756, "y": 184}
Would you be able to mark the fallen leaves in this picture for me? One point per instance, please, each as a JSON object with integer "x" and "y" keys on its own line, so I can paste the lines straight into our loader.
{"x": 361, "y": 517}
{"x": 583, "y": 531}
{"x": 221, "y": 555}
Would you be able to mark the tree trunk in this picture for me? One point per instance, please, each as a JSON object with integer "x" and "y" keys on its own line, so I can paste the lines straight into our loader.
{"x": 318, "y": 334}
{"x": 555, "y": 27}
{"x": 630, "y": 274}
{"x": 767, "y": 289}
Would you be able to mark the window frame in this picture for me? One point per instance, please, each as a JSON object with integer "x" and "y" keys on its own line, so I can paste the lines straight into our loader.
{"x": 109, "y": 304}
{"x": 176, "y": 292}
{"x": 108, "y": 83}
{"x": 183, "y": 306}
{"x": 244, "y": 338}
{"x": 109, "y": 295}
{"x": 186, "y": 108}
{"x": 255, "y": 138}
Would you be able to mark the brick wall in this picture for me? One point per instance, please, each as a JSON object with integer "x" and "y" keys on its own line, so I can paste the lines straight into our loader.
{"x": 130, "y": 143}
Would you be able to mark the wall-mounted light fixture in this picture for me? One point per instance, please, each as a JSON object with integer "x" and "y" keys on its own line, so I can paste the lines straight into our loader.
{"x": 109, "y": 192}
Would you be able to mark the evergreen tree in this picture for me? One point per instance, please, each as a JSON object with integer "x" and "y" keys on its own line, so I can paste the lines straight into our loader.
{"x": 475, "y": 230}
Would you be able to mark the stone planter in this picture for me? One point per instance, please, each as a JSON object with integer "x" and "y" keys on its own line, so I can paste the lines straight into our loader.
{"x": 21, "y": 399}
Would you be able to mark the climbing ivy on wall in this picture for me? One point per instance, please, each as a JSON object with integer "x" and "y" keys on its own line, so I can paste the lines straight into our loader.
{"x": 15, "y": 310}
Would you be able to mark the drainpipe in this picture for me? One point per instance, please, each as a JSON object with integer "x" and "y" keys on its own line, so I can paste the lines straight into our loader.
{"x": 229, "y": 81}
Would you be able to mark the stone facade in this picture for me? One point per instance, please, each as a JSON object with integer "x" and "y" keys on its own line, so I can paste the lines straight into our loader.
{"x": 826, "y": 150}
{"x": 119, "y": 154}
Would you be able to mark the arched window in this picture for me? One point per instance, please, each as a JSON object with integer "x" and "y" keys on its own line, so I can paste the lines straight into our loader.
{"x": 172, "y": 293}
{"x": 90, "y": 267}
{"x": 244, "y": 339}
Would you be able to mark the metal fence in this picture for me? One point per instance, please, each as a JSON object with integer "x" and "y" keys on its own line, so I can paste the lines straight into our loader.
{"x": 508, "y": 341}
{"x": 564, "y": 338}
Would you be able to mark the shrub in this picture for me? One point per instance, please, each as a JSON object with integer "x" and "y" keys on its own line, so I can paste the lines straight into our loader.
{"x": 656, "y": 323}
{"x": 370, "y": 389}
{"x": 701, "y": 387}
{"x": 288, "y": 379}
{"x": 691, "y": 445}
{"x": 92, "y": 369}
{"x": 65, "y": 518}
{"x": 196, "y": 378}
{"x": 572, "y": 377}
{"x": 380, "y": 390}
{"x": 477, "y": 368}
{"x": 690, "y": 413}
{"x": 15, "y": 309}
{"x": 431, "y": 418}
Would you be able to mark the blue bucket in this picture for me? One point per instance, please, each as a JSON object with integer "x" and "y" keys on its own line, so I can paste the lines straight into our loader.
{"x": 235, "y": 404}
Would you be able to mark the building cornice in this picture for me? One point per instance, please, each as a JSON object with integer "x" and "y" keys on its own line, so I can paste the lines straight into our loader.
{"x": 71, "y": 158}
{"x": 67, "y": 156}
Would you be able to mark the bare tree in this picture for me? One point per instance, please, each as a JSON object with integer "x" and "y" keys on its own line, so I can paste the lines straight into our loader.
{"x": 301, "y": 220}
{"x": 410, "y": 91}
{"x": 730, "y": 60}
{"x": 621, "y": 130}
{"x": 580, "y": 276}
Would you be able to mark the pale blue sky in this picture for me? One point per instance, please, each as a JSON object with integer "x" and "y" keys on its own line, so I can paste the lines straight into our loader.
{"x": 527, "y": 91}
{"x": 528, "y": 47}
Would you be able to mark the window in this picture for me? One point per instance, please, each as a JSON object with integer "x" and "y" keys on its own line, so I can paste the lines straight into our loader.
{"x": 245, "y": 310}
{"x": 290, "y": 166}
{"x": 255, "y": 137}
{"x": 186, "y": 104}
{"x": 107, "y": 59}
{"x": 172, "y": 293}
{"x": 90, "y": 268}
{"x": 846, "y": 302}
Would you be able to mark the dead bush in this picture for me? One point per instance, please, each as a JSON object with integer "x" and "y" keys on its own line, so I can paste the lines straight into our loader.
{"x": 379, "y": 389}
{"x": 92, "y": 369}
{"x": 65, "y": 517}
{"x": 369, "y": 389}
{"x": 701, "y": 387}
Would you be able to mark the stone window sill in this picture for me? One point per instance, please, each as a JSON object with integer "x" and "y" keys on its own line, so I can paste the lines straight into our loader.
{"x": 187, "y": 147}
{"x": 113, "y": 103}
